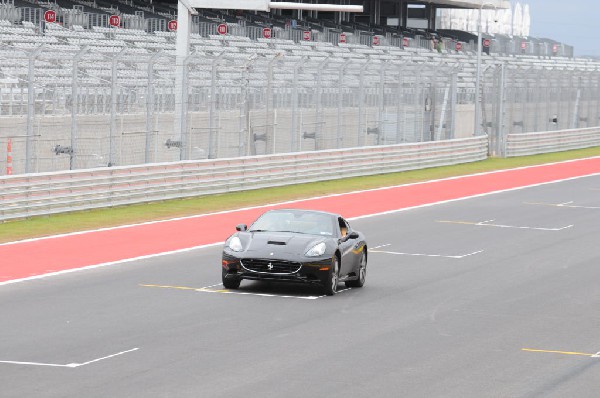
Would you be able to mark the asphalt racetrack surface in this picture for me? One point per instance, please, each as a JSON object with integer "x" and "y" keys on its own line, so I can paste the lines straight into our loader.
{"x": 493, "y": 296}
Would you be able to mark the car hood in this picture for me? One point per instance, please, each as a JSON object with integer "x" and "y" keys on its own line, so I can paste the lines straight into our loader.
{"x": 279, "y": 242}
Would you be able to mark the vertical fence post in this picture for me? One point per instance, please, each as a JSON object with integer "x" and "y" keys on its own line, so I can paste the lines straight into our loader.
{"x": 597, "y": 97}
{"x": 559, "y": 101}
{"x": 399, "y": 98}
{"x": 361, "y": 105}
{"x": 419, "y": 106}
{"x": 537, "y": 96}
{"x": 30, "y": 108}
{"x": 150, "y": 127}
{"x": 212, "y": 153}
{"x": 185, "y": 148}
{"x": 245, "y": 142}
{"x": 112, "y": 158}
{"x": 433, "y": 92}
{"x": 526, "y": 102}
{"x": 500, "y": 101}
{"x": 269, "y": 121}
{"x": 339, "y": 133}
{"x": 594, "y": 94}
{"x": 575, "y": 122}
{"x": 75, "y": 107}
{"x": 589, "y": 96}
{"x": 552, "y": 96}
{"x": 294, "y": 131}
{"x": 381, "y": 102}
{"x": 319, "y": 103}
{"x": 453, "y": 102}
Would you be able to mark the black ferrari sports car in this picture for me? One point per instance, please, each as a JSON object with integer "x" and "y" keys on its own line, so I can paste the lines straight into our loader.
{"x": 291, "y": 245}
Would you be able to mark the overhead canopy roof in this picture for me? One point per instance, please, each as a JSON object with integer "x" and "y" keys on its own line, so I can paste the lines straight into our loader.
{"x": 264, "y": 4}
{"x": 470, "y": 3}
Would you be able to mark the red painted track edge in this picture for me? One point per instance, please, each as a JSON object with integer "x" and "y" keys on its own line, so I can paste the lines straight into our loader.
{"x": 37, "y": 258}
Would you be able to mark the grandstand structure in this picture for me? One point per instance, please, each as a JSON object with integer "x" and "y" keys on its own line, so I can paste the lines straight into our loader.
{"x": 80, "y": 93}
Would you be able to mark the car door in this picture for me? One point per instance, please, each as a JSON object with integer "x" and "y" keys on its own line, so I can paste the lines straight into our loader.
{"x": 347, "y": 247}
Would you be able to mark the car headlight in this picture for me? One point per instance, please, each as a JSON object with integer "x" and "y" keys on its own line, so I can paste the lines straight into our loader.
{"x": 317, "y": 250}
{"x": 235, "y": 244}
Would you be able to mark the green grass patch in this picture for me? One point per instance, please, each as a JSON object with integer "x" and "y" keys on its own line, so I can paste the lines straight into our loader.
{"x": 85, "y": 220}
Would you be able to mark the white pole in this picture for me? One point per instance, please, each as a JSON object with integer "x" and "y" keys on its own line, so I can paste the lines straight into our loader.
{"x": 182, "y": 49}
{"x": 478, "y": 78}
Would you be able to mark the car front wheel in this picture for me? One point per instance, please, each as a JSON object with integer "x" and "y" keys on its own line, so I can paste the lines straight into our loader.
{"x": 230, "y": 282}
{"x": 333, "y": 279}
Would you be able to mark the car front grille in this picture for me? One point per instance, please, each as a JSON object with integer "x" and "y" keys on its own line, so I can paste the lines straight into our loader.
{"x": 270, "y": 266}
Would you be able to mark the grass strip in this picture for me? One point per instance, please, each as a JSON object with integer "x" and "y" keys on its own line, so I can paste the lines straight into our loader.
{"x": 109, "y": 217}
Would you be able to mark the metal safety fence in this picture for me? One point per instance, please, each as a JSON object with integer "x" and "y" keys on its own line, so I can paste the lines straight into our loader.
{"x": 537, "y": 98}
{"x": 49, "y": 193}
{"x": 551, "y": 141}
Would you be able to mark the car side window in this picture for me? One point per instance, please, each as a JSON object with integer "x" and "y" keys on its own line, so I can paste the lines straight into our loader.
{"x": 344, "y": 227}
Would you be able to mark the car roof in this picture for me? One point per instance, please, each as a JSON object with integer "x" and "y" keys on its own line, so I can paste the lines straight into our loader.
{"x": 306, "y": 211}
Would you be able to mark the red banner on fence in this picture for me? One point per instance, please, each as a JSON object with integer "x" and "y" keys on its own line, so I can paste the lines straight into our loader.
{"x": 114, "y": 20}
{"x": 50, "y": 16}
{"x": 222, "y": 29}
{"x": 9, "y": 157}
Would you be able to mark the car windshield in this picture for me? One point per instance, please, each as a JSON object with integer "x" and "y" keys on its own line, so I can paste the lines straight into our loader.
{"x": 294, "y": 221}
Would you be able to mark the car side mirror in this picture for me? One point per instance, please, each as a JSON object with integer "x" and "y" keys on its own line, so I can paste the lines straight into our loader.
{"x": 241, "y": 227}
{"x": 353, "y": 235}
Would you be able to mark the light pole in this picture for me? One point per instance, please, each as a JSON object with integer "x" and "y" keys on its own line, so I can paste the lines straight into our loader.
{"x": 478, "y": 73}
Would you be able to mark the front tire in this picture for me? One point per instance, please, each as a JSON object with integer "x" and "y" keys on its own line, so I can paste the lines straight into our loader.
{"x": 231, "y": 282}
{"x": 331, "y": 284}
{"x": 362, "y": 272}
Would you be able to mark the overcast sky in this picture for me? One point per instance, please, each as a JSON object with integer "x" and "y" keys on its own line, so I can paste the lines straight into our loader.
{"x": 574, "y": 22}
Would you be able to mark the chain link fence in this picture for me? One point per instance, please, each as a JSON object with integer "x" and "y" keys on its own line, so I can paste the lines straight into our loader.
{"x": 66, "y": 111}
{"x": 537, "y": 99}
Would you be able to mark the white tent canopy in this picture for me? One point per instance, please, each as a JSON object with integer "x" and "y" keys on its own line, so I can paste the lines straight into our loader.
{"x": 517, "y": 22}
{"x": 526, "y": 20}
{"x": 503, "y": 21}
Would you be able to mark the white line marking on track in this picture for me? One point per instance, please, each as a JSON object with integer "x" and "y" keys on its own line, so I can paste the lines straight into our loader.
{"x": 596, "y": 355}
{"x": 69, "y": 365}
{"x": 208, "y": 287}
{"x": 487, "y": 224}
{"x": 224, "y": 291}
{"x": 566, "y": 204}
{"x": 380, "y": 246}
{"x": 426, "y": 255}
